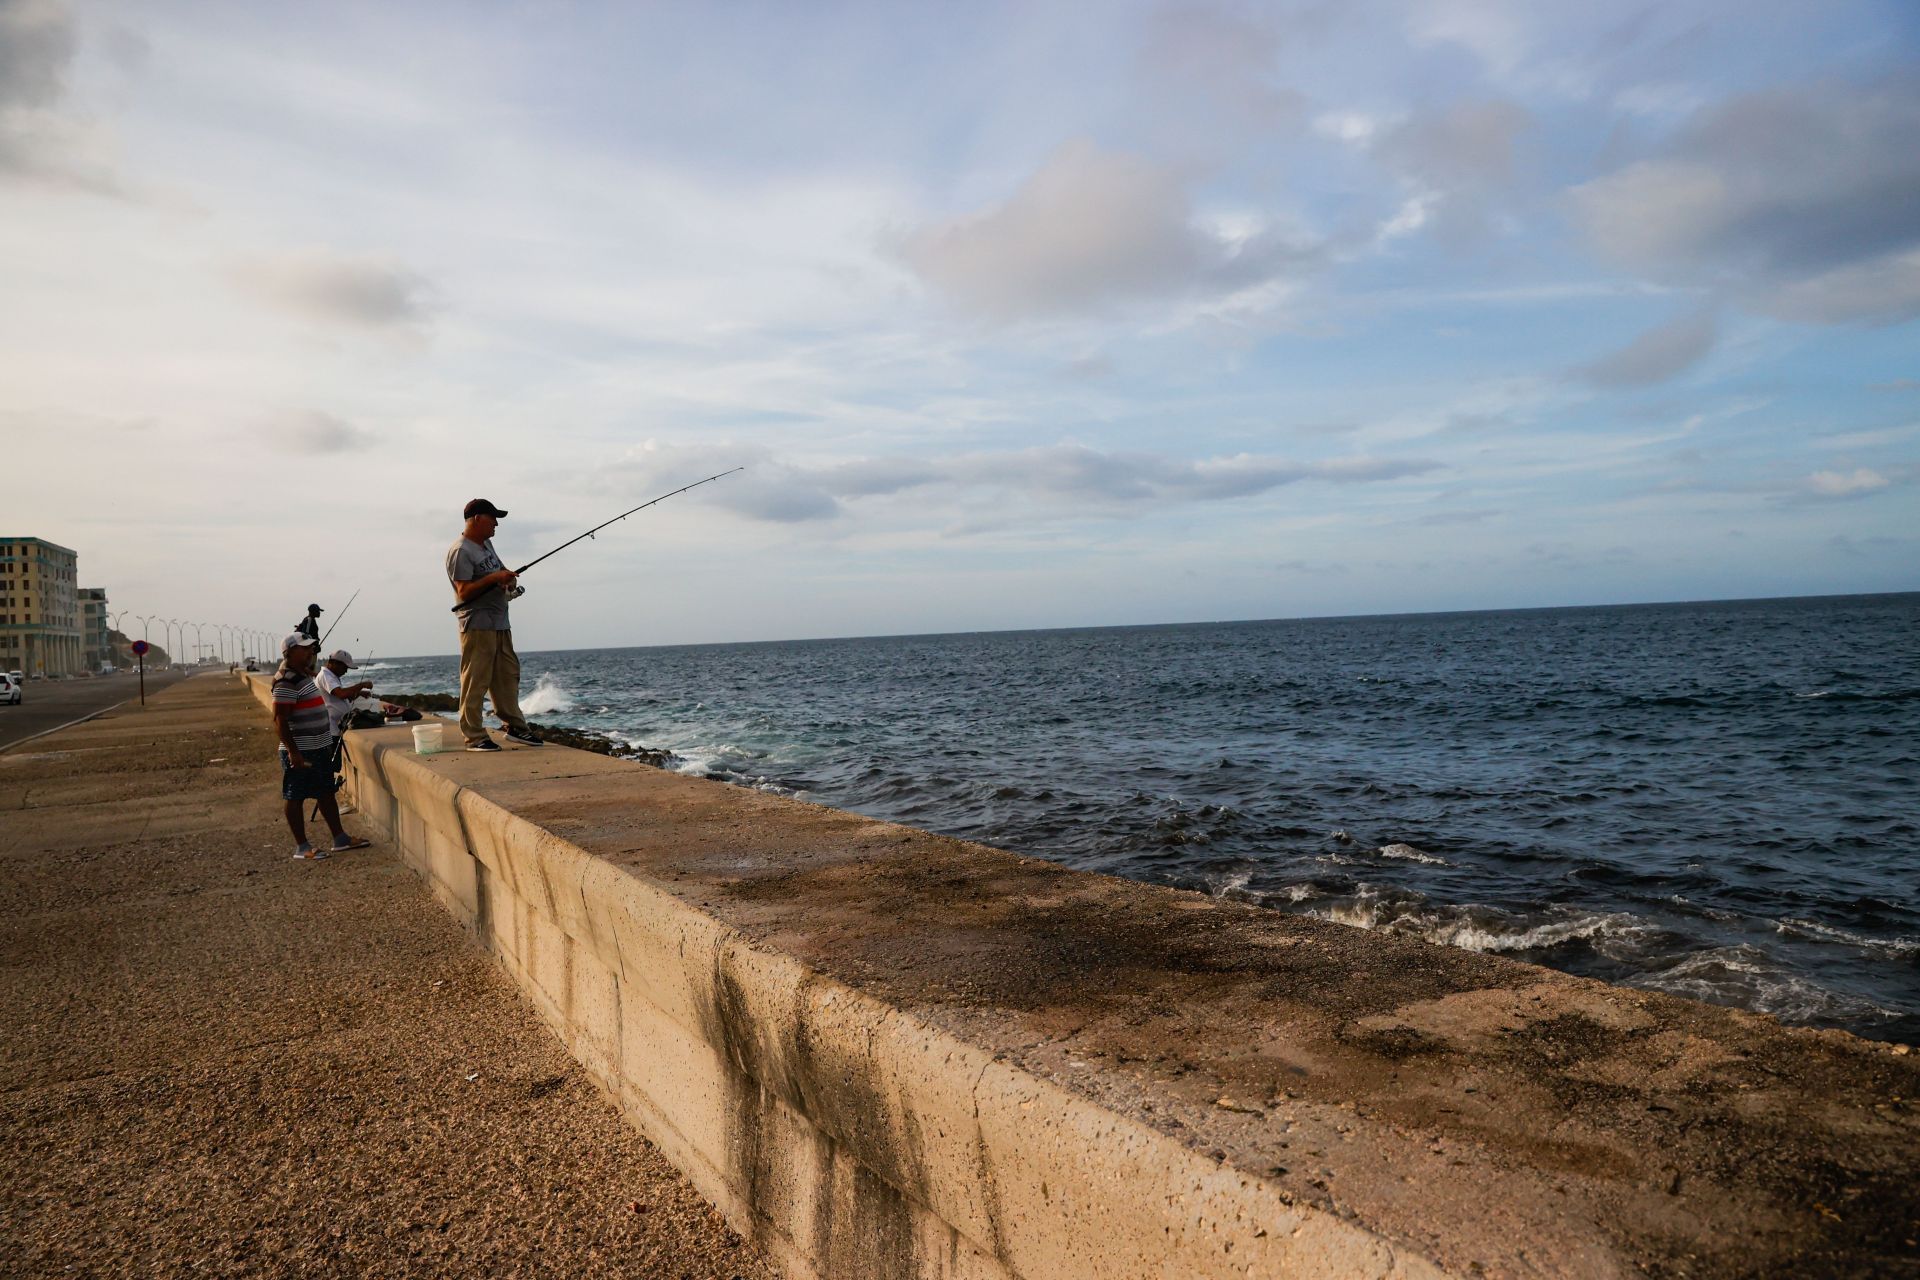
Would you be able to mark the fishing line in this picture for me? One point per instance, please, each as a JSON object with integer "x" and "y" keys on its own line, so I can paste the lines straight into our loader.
{"x": 597, "y": 528}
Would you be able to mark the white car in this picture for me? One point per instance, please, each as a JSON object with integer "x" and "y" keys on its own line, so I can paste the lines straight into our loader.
{"x": 9, "y": 689}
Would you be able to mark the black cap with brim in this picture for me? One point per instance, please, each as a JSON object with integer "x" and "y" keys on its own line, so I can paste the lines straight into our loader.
{"x": 481, "y": 507}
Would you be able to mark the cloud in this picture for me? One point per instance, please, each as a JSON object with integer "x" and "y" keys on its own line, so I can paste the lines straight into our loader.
{"x": 1469, "y": 145}
{"x": 36, "y": 47}
{"x": 341, "y": 289}
{"x": 1489, "y": 29}
{"x": 40, "y": 141}
{"x": 1069, "y": 477}
{"x": 1459, "y": 163}
{"x": 1804, "y": 204}
{"x": 1840, "y": 484}
{"x": 1662, "y": 352}
{"x": 312, "y": 432}
{"x": 1209, "y": 71}
{"x": 1091, "y": 228}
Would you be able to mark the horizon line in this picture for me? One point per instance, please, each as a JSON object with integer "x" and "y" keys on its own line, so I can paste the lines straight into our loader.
{"x": 1199, "y": 622}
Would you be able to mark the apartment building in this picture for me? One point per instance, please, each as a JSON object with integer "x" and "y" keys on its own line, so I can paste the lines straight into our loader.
{"x": 96, "y": 649}
{"x": 40, "y": 632}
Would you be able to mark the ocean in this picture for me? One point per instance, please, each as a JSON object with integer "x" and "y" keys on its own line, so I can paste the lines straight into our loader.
{"x": 1718, "y": 800}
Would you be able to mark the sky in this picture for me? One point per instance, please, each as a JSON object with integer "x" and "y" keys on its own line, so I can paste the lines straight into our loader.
{"x": 1017, "y": 315}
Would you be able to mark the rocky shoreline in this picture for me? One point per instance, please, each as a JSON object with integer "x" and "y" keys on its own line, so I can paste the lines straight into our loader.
{"x": 565, "y": 735}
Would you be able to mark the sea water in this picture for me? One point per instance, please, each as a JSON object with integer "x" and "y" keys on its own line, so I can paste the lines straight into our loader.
{"x": 1718, "y": 800}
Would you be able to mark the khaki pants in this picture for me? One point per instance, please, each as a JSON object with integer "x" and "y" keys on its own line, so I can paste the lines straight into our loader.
{"x": 488, "y": 668}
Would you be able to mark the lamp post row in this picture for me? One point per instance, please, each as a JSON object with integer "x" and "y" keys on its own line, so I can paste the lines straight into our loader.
{"x": 231, "y": 641}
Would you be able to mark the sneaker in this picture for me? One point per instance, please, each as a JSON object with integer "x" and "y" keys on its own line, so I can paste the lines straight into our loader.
{"x": 527, "y": 736}
{"x": 485, "y": 744}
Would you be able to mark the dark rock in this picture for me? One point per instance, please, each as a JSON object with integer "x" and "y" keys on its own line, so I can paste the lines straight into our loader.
{"x": 580, "y": 739}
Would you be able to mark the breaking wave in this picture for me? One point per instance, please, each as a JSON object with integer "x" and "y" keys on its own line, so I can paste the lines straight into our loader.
{"x": 548, "y": 696}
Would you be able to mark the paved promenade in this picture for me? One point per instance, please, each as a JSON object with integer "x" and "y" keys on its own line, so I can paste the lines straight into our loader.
{"x": 215, "y": 1060}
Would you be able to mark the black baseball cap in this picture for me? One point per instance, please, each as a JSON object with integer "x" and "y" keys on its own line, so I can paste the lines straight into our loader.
{"x": 481, "y": 507}
{"x": 314, "y": 608}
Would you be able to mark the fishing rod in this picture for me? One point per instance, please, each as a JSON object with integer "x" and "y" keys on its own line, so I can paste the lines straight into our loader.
{"x": 343, "y": 613}
{"x": 616, "y": 520}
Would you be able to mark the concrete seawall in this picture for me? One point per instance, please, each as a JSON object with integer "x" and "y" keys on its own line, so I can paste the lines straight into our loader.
{"x": 885, "y": 1053}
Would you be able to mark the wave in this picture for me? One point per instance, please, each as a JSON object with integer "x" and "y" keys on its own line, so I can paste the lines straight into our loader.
{"x": 1485, "y": 929}
{"x": 1226, "y": 885}
{"x": 1827, "y": 933}
{"x": 1843, "y": 695}
{"x": 548, "y": 696}
{"x": 1746, "y": 977}
{"x": 1407, "y": 853}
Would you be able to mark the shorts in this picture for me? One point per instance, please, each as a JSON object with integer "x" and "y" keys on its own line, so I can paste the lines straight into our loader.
{"x": 315, "y": 782}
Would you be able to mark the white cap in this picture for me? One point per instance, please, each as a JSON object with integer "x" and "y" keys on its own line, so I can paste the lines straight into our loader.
{"x": 298, "y": 640}
{"x": 342, "y": 657}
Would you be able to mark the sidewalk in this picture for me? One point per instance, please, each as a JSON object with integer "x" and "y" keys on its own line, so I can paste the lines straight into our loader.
{"x": 217, "y": 1060}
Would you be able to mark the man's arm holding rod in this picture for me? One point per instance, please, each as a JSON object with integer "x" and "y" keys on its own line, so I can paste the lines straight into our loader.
{"x": 498, "y": 578}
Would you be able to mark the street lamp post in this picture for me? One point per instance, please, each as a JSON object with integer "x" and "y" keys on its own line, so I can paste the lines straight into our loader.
{"x": 114, "y": 617}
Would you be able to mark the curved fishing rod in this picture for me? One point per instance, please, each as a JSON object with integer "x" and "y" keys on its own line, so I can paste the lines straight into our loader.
{"x": 343, "y": 613}
{"x": 616, "y": 520}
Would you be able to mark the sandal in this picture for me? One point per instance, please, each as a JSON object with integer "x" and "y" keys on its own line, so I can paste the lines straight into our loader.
{"x": 352, "y": 842}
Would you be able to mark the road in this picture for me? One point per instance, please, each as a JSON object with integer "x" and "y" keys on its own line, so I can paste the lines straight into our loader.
{"x": 51, "y": 703}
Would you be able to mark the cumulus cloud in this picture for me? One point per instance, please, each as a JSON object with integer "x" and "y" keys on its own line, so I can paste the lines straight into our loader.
{"x": 1804, "y": 203}
{"x": 1844, "y": 484}
{"x": 1662, "y": 352}
{"x": 341, "y": 289}
{"x": 1063, "y": 477}
{"x": 1093, "y": 227}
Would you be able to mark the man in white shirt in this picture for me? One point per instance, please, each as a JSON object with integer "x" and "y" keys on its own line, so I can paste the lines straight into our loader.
{"x": 339, "y": 696}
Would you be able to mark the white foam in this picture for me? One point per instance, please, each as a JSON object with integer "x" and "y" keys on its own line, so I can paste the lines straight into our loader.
{"x": 1827, "y": 933}
{"x": 1227, "y": 884}
{"x": 1359, "y": 915}
{"x": 1480, "y": 930}
{"x": 1470, "y": 935}
{"x": 548, "y": 696}
{"x": 1745, "y": 976}
{"x": 1407, "y": 853}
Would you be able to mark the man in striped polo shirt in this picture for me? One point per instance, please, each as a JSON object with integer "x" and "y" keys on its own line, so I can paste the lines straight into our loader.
{"x": 306, "y": 747}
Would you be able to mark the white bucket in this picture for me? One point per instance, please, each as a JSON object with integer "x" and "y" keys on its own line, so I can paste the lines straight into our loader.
{"x": 426, "y": 739}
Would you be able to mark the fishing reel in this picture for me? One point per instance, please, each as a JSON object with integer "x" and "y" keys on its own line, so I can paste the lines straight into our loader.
{"x": 515, "y": 591}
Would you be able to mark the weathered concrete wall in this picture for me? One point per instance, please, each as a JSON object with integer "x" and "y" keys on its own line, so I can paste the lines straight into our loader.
{"x": 884, "y": 1054}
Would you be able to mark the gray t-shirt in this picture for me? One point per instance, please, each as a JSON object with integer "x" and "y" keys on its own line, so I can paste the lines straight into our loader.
{"x": 467, "y": 560}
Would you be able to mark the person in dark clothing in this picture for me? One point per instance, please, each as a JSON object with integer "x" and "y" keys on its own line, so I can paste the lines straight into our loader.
{"x": 309, "y": 626}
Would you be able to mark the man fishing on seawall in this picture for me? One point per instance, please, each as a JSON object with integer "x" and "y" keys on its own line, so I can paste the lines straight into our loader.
{"x": 489, "y": 667}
